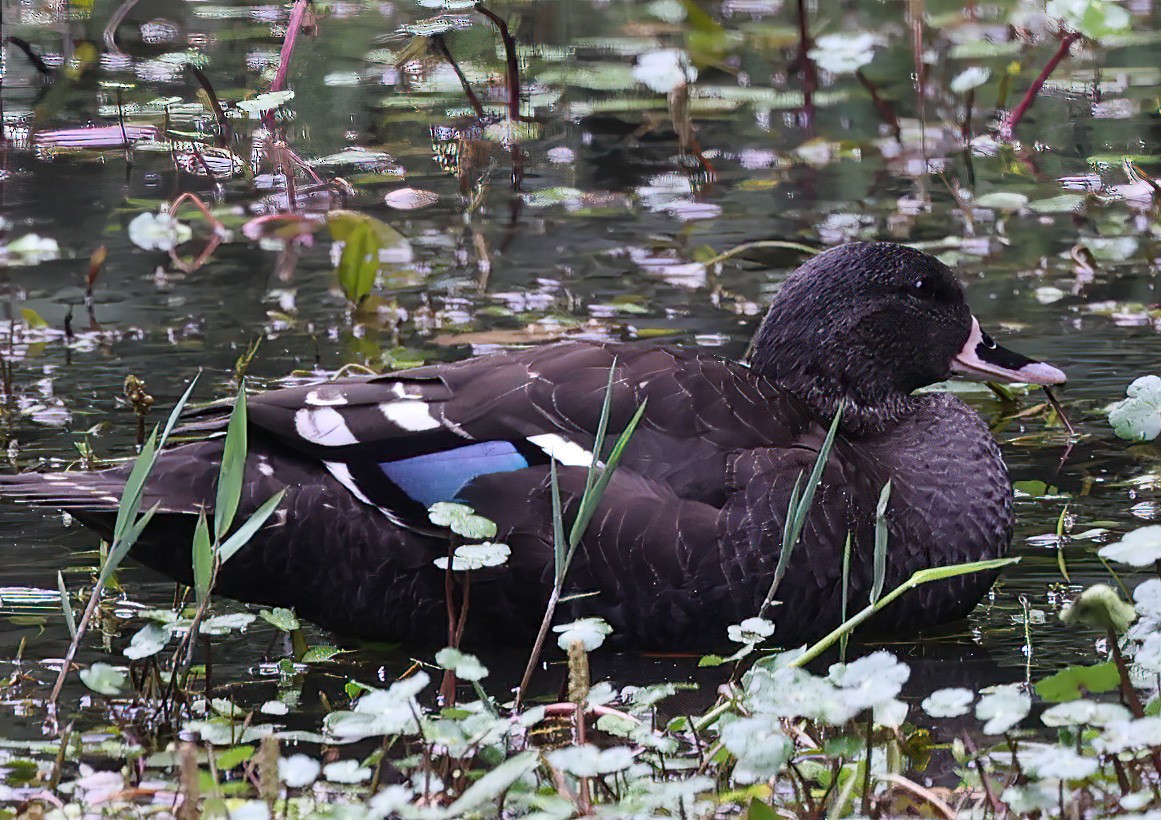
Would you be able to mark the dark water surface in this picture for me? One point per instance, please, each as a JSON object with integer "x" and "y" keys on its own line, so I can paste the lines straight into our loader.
{"x": 603, "y": 241}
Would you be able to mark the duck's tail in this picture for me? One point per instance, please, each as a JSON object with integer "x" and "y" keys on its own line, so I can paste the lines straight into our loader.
{"x": 90, "y": 497}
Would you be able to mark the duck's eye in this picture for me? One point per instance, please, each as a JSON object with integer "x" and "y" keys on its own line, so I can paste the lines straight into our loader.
{"x": 923, "y": 287}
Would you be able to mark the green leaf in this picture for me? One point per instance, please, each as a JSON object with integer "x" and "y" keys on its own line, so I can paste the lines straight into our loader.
{"x": 233, "y": 468}
{"x": 1072, "y": 682}
{"x": 244, "y": 533}
{"x": 757, "y": 810}
{"x": 33, "y": 319}
{"x": 494, "y": 783}
{"x": 281, "y": 618}
{"x": 880, "y": 561}
{"x": 320, "y": 654}
{"x": 234, "y": 757}
{"x": 363, "y": 238}
{"x": 149, "y": 640}
{"x": 121, "y": 546}
{"x": 1100, "y": 606}
{"x": 66, "y": 606}
{"x": 203, "y": 559}
{"x": 103, "y": 679}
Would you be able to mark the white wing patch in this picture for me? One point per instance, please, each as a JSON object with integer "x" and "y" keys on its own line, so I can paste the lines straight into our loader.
{"x": 410, "y": 414}
{"x": 342, "y": 474}
{"x": 400, "y": 390}
{"x": 326, "y": 396}
{"x": 568, "y": 453}
{"x": 323, "y": 425}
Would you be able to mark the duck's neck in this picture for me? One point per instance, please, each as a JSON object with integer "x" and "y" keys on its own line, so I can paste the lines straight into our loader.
{"x": 827, "y": 379}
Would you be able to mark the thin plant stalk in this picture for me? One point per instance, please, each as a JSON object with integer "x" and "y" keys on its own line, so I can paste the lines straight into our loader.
{"x": 1018, "y": 112}
{"x": 126, "y": 530}
{"x": 565, "y": 549}
{"x": 918, "y": 578}
{"x": 797, "y": 511}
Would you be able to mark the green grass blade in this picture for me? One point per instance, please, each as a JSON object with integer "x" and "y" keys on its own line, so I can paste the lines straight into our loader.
{"x": 797, "y": 510}
{"x": 244, "y": 533}
{"x": 203, "y": 559}
{"x": 66, "y": 606}
{"x": 131, "y": 494}
{"x": 559, "y": 544}
{"x": 602, "y": 428}
{"x": 130, "y": 501}
{"x": 880, "y": 564}
{"x": 846, "y": 595}
{"x": 121, "y": 546}
{"x": 918, "y": 578}
{"x": 233, "y": 468}
{"x": 815, "y": 476}
{"x": 591, "y": 499}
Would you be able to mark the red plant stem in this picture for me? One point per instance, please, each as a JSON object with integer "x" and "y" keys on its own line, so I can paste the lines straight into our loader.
{"x": 885, "y": 109}
{"x": 1030, "y": 95}
{"x": 292, "y": 28}
{"x": 513, "y": 65}
{"x": 440, "y": 46}
{"x": 806, "y": 65}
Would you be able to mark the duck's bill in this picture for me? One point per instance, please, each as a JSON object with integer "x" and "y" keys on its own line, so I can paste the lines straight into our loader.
{"x": 983, "y": 360}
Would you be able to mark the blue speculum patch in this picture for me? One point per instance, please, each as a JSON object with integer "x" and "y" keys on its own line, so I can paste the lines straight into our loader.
{"x": 440, "y": 476}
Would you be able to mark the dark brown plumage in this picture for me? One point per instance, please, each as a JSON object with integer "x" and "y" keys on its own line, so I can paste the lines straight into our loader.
{"x": 688, "y": 532}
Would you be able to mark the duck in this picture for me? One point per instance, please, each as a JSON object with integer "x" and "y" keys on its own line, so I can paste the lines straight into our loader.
{"x": 688, "y": 531}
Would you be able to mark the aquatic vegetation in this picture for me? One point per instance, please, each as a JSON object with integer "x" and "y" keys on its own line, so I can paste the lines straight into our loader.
{"x": 1138, "y": 417}
{"x": 613, "y": 171}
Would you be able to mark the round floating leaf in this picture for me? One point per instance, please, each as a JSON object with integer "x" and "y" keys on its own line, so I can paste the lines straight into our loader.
{"x": 30, "y": 249}
{"x": 589, "y": 761}
{"x": 1083, "y": 713}
{"x": 1045, "y": 760}
{"x": 843, "y": 52}
{"x": 871, "y": 680}
{"x": 260, "y": 104}
{"x": 461, "y": 519}
{"x": 346, "y": 771}
{"x": 590, "y": 632}
{"x": 1072, "y": 682}
{"x": 1139, "y": 548}
{"x": 465, "y": 666}
{"x": 149, "y": 640}
{"x": 298, "y": 771}
{"x": 945, "y": 703}
{"x": 750, "y": 631}
{"x": 1002, "y": 201}
{"x": 158, "y": 232}
{"x": 1121, "y": 735}
{"x": 103, "y": 679}
{"x": 1095, "y": 19}
{"x": 1138, "y": 417}
{"x": 971, "y": 77}
{"x": 476, "y": 556}
{"x": 1100, "y": 606}
{"x": 664, "y": 70}
{"x": 1003, "y": 707}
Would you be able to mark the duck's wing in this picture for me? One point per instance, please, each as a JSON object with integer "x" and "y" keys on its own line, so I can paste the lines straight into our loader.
{"x": 404, "y": 441}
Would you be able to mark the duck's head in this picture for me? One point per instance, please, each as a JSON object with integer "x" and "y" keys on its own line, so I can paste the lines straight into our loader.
{"x": 869, "y": 323}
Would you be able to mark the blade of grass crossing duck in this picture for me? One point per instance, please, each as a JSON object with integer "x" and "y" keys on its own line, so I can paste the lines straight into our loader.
{"x": 130, "y": 503}
{"x": 846, "y": 595}
{"x": 559, "y": 545}
{"x": 203, "y": 559}
{"x": 798, "y": 509}
{"x": 880, "y": 559}
{"x": 918, "y": 578}
{"x": 233, "y": 468}
{"x": 244, "y": 533}
{"x": 563, "y": 551}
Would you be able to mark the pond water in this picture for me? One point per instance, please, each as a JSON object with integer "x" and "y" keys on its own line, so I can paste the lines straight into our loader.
{"x": 606, "y": 237}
